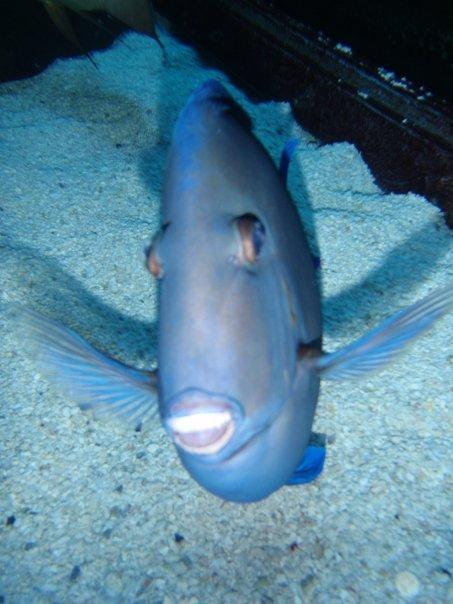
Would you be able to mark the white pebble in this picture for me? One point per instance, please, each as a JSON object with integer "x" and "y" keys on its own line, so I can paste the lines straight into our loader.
{"x": 407, "y": 584}
{"x": 113, "y": 584}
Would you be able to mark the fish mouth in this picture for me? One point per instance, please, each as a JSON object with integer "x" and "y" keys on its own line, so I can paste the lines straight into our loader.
{"x": 201, "y": 423}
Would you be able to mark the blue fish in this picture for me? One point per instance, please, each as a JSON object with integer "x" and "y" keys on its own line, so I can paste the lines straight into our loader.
{"x": 240, "y": 333}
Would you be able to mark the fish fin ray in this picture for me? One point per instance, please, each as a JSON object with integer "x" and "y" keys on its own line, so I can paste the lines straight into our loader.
{"x": 93, "y": 380}
{"x": 382, "y": 344}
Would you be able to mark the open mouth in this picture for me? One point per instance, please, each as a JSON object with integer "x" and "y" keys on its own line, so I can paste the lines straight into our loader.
{"x": 201, "y": 425}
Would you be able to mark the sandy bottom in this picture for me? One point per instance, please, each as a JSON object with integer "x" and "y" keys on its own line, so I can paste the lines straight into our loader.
{"x": 92, "y": 512}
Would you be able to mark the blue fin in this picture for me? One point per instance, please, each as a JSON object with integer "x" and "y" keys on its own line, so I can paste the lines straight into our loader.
{"x": 286, "y": 157}
{"x": 382, "y": 344}
{"x": 93, "y": 380}
{"x": 310, "y": 467}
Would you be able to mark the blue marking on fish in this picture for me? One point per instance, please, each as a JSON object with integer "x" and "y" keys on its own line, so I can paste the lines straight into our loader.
{"x": 310, "y": 467}
{"x": 286, "y": 157}
{"x": 239, "y": 351}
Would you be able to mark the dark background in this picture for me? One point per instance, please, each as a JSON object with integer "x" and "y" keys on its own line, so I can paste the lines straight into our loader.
{"x": 411, "y": 38}
{"x": 285, "y": 50}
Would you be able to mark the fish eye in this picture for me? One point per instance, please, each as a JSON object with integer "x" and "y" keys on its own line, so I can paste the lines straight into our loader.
{"x": 153, "y": 260}
{"x": 252, "y": 235}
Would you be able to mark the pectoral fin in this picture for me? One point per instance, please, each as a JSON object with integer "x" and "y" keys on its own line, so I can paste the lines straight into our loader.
{"x": 382, "y": 344}
{"x": 90, "y": 378}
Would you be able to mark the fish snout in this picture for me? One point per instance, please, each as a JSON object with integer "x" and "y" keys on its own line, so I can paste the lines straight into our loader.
{"x": 200, "y": 422}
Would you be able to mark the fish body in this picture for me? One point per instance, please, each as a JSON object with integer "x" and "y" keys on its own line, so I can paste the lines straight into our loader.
{"x": 230, "y": 326}
{"x": 239, "y": 350}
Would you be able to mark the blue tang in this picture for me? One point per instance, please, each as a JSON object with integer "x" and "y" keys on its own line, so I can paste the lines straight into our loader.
{"x": 240, "y": 332}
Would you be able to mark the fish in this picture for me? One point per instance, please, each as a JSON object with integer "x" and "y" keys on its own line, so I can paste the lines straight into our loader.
{"x": 136, "y": 14}
{"x": 239, "y": 353}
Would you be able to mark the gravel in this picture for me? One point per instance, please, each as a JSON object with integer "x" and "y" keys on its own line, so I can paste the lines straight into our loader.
{"x": 95, "y": 512}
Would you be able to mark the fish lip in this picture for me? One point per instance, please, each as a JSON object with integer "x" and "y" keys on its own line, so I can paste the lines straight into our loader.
{"x": 200, "y": 422}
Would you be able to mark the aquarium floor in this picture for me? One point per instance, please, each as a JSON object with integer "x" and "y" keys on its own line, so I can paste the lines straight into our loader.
{"x": 95, "y": 512}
